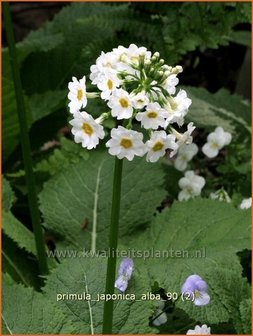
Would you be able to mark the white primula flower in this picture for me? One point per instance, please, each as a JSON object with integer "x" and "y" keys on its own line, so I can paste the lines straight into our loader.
{"x": 140, "y": 100}
{"x": 185, "y": 154}
{"x": 159, "y": 317}
{"x": 203, "y": 330}
{"x": 105, "y": 62}
{"x": 171, "y": 83}
{"x": 120, "y": 104}
{"x": 132, "y": 54}
{"x": 177, "y": 107}
{"x": 158, "y": 144}
{"x": 191, "y": 185}
{"x": 109, "y": 81}
{"x": 246, "y": 203}
{"x": 186, "y": 137}
{"x": 216, "y": 141}
{"x": 153, "y": 117}
{"x": 126, "y": 143}
{"x": 86, "y": 130}
{"x": 77, "y": 94}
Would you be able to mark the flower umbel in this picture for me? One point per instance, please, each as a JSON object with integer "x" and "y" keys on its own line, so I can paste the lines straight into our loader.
{"x": 125, "y": 272}
{"x": 135, "y": 86}
{"x": 195, "y": 286}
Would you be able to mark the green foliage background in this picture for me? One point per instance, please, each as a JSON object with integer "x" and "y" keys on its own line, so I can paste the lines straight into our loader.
{"x": 68, "y": 179}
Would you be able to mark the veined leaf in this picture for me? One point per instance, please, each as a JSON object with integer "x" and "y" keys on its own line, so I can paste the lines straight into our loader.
{"x": 33, "y": 313}
{"x": 88, "y": 275}
{"x": 83, "y": 193}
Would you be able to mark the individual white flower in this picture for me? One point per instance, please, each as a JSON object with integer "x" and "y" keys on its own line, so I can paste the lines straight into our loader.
{"x": 186, "y": 137}
{"x": 109, "y": 81}
{"x": 86, "y": 130}
{"x": 153, "y": 117}
{"x": 159, "y": 317}
{"x": 191, "y": 185}
{"x": 105, "y": 62}
{"x": 220, "y": 195}
{"x": 126, "y": 143}
{"x": 246, "y": 203}
{"x": 171, "y": 83}
{"x": 216, "y": 141}
{"x": 158, "y": 144}
{"x": 140, "y": 100}
{"x": 203, "y": 330}
{"x": 77, "y": 94}
{"x": 185, "y": 154}
{"x": 120, "y": 104}
{"x": 132, "y": 54}
{"x": 177, "y": 107}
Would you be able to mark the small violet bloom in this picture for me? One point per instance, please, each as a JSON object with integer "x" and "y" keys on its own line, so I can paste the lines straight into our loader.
{"x": 197, "y": 287}
{"x": 125, "y": 272}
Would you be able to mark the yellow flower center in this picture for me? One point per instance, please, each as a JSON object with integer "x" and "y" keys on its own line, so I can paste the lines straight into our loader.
{"x": 152, "y": 115}
{"x": 157, "y": 146}
{"x": 123, "y": 102}
{"x": 173, "y": 104}
{"x": 197, "y": 294}
{"x": 214, "y": 145}
{"x": 87, "y": 129}
{"x": 109, "y": 84}
{"x": 126, "y": 143}
{"x": 79, "y": 94}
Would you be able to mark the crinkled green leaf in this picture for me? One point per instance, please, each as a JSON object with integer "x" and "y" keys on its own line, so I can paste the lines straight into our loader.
{"x": 244, "y": 324}
{"x": 33, "y": 313}
{"x": 82, "y": 193}
{"x": 202, "y": 237}
{"x": 219, "y": 109}
{"x": 88, "y": 275}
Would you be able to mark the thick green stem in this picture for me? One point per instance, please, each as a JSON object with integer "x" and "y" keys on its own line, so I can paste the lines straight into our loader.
{"x": 25, "y": 143}
{"x": 113, "y": 243}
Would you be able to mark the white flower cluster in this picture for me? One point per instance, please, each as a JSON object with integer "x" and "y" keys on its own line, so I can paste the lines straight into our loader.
{"x": 137, "y": 87}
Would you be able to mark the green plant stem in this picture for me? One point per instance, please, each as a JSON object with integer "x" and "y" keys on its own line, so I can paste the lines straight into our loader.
{"x": 25, "y": 143}
{"x": 113, "y": 243}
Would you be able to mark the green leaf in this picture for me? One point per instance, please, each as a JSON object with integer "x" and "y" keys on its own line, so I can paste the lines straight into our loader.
{"x": 83, "y": 193}
{"x": 15, "y": 230}
{"x": 220, "y": 109}
{"x": 19, "y": 264}
{"x": 88, "y": 275}
{"x": 202, "y": 237}
{"x": 33, "y": 312}
{"x": 46, "y": 103}
{"x": 244, "y": 325}
{"x": 242, "y": 37}
{"x": 10, "y": 126}
{"x": 8, "y": 196}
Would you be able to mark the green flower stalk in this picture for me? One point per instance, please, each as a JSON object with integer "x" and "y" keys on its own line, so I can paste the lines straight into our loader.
{"x": 113, "y": 243}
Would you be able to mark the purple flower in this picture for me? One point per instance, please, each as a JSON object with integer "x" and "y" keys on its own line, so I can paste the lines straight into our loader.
{"x": 196, "y": 287}
{"x": 125, "y": 272}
